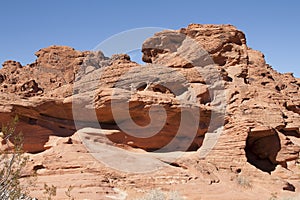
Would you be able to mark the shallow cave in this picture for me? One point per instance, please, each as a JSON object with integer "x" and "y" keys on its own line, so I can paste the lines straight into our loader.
{"x": 179, "y": 133}
{"x": 261, "y": 152}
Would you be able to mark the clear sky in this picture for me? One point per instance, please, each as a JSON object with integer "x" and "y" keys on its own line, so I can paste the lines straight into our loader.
{"x": 272, "y": 27}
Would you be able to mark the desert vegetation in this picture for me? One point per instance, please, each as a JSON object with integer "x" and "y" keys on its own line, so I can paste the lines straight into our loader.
{"x": 12, "y": 163}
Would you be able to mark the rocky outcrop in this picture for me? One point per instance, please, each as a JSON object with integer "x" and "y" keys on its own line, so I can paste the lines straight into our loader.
{"x": 36, "y": 94}
{"x": 262, "y": 104}
{"x": 177, "y": 94}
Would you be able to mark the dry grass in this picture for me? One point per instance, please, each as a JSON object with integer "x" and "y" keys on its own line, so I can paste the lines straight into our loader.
{"x": 244, "y": 182}
{"x": 157, "y": 194}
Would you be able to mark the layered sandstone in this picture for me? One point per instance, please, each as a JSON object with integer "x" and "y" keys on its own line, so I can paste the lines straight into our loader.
{"x": 256, "y": 108}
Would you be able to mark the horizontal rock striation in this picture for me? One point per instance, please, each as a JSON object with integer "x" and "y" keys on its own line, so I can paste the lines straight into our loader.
{"x": 196, "y": 81}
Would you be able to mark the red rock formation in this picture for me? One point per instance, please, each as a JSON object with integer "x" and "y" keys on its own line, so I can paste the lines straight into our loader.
{"x": 261, "y": 126}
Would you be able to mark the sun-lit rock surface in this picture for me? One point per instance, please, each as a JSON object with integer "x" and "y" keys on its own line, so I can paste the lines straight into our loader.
{"x": 259, "y": 144}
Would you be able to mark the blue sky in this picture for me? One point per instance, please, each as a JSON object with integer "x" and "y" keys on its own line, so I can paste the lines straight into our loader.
{"x": 272, "y": 27}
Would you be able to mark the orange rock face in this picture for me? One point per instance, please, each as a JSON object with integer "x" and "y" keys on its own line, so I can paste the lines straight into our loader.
{"x": 202, "y": 85}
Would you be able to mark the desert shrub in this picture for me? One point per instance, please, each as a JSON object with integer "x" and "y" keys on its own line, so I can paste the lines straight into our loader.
{"x": 154, "y": 195}
{"x": 12, "y": 163}
{"x": 68, "y": 193}
{"x": 49, "y": 191}
{"x": 174, "y": 195}
{"x": 244, "y": 182}
{"x": 157, "y": 194}
{"x": 284, "y": 198}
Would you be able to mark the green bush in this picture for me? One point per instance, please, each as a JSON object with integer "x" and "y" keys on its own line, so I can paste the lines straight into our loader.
{"x": 12, "y": 163}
